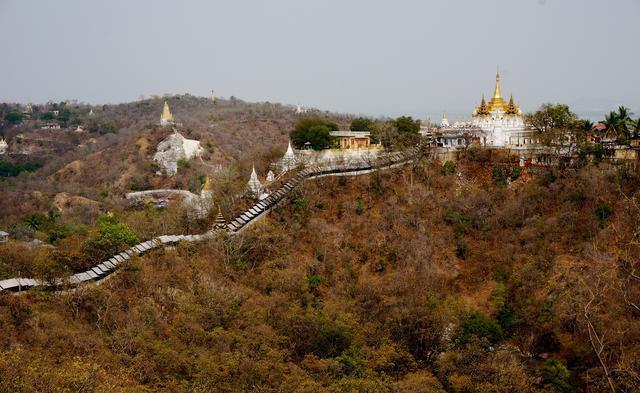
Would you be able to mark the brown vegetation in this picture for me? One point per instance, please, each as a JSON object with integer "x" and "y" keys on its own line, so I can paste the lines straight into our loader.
{"x": 416, "y": 280}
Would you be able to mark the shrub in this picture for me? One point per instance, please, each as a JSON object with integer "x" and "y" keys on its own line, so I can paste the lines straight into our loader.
{"x": 515, "y": 173}
{"x": 359, "y": 205}
{"x": 110, "y": 237}
{"x": 603, "y": 212}
{"x": 480, "y": 326}
{"x": 8, "y": 169}
{"x": 315, "y": 280}
{"x": 499, "y": 175}
{"x": 462, "y": 251}
{"x": 448, "y": 168}
{"x": 555, "y": 373}
{"x": 182, "y": 163}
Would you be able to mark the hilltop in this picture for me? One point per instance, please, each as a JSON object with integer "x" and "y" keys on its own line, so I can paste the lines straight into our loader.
{"x": 114, "y": 153}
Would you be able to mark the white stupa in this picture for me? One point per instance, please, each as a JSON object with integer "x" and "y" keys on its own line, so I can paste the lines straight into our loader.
{"x": 3, "y": 146}
{"x": 445, "y": 121}
{"x": 289, "y": 160}
{"x": 270, "y": 176}
{"x": 254, "y": 187}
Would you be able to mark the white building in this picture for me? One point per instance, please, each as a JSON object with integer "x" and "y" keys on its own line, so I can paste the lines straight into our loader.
{"x": 3, "y": 146}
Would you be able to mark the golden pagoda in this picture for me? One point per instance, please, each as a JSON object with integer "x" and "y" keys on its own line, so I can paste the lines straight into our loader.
{"x": 497, "y": 103}
{"x": 166, "y": 118}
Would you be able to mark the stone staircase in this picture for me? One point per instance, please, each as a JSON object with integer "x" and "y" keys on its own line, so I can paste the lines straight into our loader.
{"x": 235, "y": 226}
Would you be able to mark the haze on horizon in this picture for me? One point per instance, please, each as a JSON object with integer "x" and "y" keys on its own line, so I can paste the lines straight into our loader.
{"x": 363, "y": 56}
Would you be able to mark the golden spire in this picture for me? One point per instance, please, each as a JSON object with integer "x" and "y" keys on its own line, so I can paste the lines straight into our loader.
{"x": 166, "y": 113}
{"x": 496, "y": 91}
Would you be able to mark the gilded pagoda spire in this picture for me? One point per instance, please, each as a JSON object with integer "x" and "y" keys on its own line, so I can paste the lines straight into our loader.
{"x": 496, "y": 91}
{"x": 166, "y": 117}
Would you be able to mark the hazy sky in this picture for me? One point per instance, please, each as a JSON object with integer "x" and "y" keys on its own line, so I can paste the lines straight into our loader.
{"x": 361, "y": 56}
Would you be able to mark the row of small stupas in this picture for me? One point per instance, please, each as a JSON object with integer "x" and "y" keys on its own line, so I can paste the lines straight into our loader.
{"x": 495, "y": 123}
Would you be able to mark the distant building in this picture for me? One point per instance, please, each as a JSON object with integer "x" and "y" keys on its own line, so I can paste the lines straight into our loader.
{"x": 3, "y": 146}
{"x": 300, "y": 109}
{"x": 352, "y": 139}
{"x": 166, "y": 118}
{"x": 4, "y": 237}
{"x": 445, "y": 121}
{"x": 50, "y": 125}
{"x": 28, "y": 111}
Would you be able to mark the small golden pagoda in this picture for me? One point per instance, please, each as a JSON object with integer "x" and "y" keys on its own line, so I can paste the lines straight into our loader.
{"x": 207, "y": 183}
{"x": 166, "y": 118}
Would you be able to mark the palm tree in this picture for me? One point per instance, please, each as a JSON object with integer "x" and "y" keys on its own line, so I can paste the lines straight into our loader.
{"x": 611, "y": 123}
{"x": 624, "y": 118}
{"x": 636, "y": 128}
{"x": 586, "y": 125}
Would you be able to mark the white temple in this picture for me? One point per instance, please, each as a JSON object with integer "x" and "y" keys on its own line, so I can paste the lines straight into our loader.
{"x": 166, "y": 118}
{"x": 500, "y": 120}
{"x": 3, "y": 146}
{"x": 254, "y": 187}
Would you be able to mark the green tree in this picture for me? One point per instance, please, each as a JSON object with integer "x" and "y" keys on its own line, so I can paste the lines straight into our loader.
{"x": 619, "y": 124}
{"x": 362, "y": 124}
{"x": 314, "y": 130}
{"x": 13, "y": 117}
{"x": 406, "y": 124}
{"x": 47, "y": 116}
{"x": 110, "y": 237}
{"x": 555, "y": 373}
{"x": 551, "y": 117}
{"x": 480, "y": 326}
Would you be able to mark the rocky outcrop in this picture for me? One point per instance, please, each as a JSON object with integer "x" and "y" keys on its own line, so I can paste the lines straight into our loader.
{"x": 176, "y": 148}
{"x": 64, "y": 201}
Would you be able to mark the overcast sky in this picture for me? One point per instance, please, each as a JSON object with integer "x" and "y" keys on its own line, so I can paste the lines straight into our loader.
{"x": 360, "y": 56}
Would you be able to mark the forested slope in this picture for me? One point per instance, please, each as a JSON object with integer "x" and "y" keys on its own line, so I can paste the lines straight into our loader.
{"x": 476, "y": 277}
